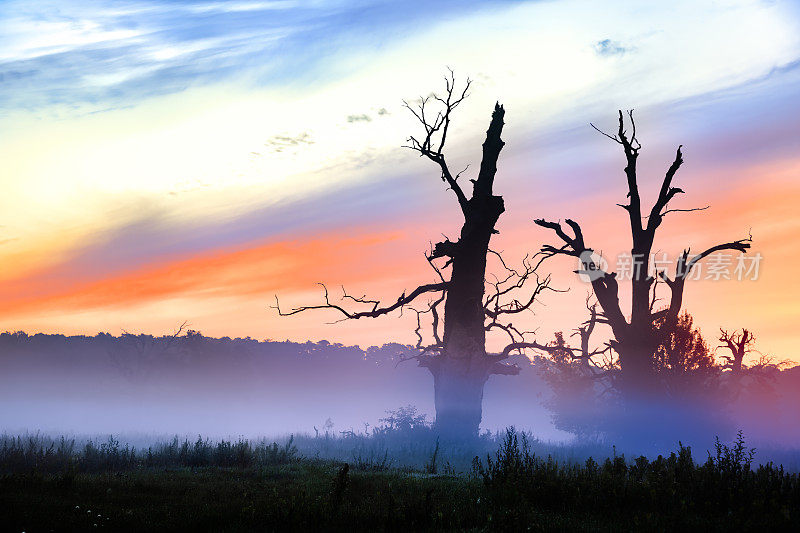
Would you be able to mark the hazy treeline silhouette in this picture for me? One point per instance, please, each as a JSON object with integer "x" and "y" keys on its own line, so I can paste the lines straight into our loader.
{"x": 193, "y": 384}
{"x": 699, "y": 394}
{"x": 768, "y": 413}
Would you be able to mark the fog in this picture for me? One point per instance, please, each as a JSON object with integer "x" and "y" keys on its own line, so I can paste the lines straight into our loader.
{"x": 141, "y": 388}
{"x": 230, "y": 387}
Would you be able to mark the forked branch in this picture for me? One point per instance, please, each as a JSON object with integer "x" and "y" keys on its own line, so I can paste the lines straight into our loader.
{"x": 436, "y": 124}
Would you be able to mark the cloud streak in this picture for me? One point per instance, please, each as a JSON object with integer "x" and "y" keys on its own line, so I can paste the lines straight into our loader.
{"x": 81, "y": 54}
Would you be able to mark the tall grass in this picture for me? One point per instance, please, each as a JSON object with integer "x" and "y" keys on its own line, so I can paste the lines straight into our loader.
{"x": 515, "y": 481}
{"x": 675, "y": 487}
{"x": 43, "y": 454}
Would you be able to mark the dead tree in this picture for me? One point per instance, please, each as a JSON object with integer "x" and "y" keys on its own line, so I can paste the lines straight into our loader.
{"x": 462, "y": 311}
{"x": 637, "y": 334}
{"x": 739, "y": 344}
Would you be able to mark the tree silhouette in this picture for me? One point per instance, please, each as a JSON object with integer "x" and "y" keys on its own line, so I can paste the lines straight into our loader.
{"x": 636, "y": 337}
{"x": 456, "y": 355}
{"x": 739, "y": 344}
{"x": 684, "y": 349}
{"x": 580, "y": 386}
{"x": 587, "y": 402}
{"x": 683, "y": 362}
{"x": 758, "y": 376}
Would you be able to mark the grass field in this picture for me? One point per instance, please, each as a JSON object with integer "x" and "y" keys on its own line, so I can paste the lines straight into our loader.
{"x": 241, "y": 486}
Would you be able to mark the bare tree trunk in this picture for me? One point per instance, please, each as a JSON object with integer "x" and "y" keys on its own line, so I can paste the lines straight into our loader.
{"x": 458, "y": 398}
{"x": 462, "y": 371}
{"x": 637, "y": 376}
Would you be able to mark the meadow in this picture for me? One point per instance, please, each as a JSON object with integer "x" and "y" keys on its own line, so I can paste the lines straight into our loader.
{"x": 391, "y": 479}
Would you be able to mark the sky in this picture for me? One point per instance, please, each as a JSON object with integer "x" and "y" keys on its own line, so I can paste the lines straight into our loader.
{"x": 178, "y": 161}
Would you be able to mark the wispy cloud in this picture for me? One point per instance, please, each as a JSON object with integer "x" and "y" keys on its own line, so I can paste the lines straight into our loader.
{"x": 367, "y": 117}
{"x": 279, "y": 143}
{"x": 85, "y": 53}
{"x": 363, "y": 117}
{"x": 607, "y": 47}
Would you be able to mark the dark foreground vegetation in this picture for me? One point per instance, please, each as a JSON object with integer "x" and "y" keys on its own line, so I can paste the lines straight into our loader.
{"x": 242, "y": 486}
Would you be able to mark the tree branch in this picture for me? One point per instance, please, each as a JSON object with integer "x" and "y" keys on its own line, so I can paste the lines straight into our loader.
{"x": 375, "y": 312}
{"x": 429, "y": 147}
{"x": 741, "y": 245}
